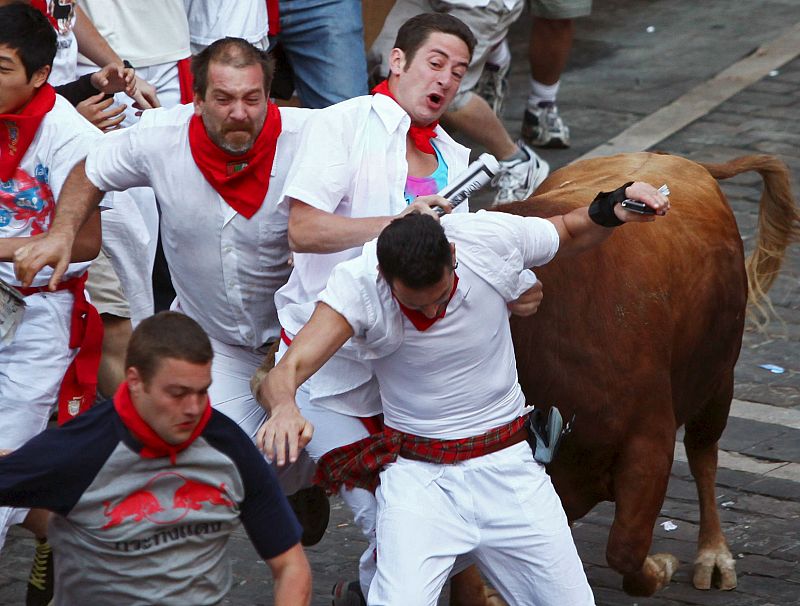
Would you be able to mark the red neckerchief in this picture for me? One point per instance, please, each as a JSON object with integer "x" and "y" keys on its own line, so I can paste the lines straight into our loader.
{"x": 152, "y": 444}
{"x": 420, "y": 321}
{"x": 420, "y": 135}
{"x": 243, "y": 180}
{"x": 18, "y": 130}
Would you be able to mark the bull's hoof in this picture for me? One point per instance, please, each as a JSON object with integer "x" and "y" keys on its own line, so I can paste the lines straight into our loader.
{"x": 714, "y": 568}
{"x": 655, "y": 574}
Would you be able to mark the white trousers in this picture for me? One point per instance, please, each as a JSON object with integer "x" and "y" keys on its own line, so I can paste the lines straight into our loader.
{"x": 32, "y": 367}
{"x": 230, "y": 394}
{"x": 500, "y": 508}
{"x": 332, "y": 430}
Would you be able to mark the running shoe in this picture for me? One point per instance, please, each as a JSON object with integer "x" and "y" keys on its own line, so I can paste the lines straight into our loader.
{"x": 543, "y": 127}
{"x": 518, "y": 179}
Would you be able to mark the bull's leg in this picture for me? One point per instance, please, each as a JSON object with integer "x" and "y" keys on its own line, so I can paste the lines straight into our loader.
{"x": 640, "y": 483}
{"x": 468, "y": 589}
{"x": 713, "y": 555}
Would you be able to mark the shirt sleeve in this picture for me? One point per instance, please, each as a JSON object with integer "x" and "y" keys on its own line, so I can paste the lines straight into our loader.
{"x": 265, "y": 513}
{"x": 35, "y": 476}
{"x": 321, "y": 172}
{"x": 349, "y": 291}
{"x": 115, "y": 162}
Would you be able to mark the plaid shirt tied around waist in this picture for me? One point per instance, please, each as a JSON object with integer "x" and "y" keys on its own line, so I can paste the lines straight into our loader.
{"x": 358, "y": 464}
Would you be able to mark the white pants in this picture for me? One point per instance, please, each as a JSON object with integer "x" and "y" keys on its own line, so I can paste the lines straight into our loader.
{"x": 501, "y": 508}
{"x": 230, "y": 394}
{"x": 32, "y": 367}
{"x": 332, "y": 430}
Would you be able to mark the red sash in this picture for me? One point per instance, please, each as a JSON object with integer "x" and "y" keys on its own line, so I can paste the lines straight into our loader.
{"x": 18, "y": 130}
{"x": 273, "y": 17}
{"x": 153, "y": 446}
{"x": 186, "y": 80}
{"x": 241, "y": 180}
{"x": 420, "y": 135}
{"x": 79, "y": 386}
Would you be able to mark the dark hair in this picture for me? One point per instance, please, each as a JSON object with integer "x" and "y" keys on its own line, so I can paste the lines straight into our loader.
{"x": 230, "y": 51}
{"x": 168, "y": 334}
{"x": 414, "y": 32}
{"x": 27, "y": 31}
{"x": 414, "y": 250}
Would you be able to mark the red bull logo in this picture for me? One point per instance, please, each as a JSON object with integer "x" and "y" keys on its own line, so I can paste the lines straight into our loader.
{"x": 145, "y": 504}
{"x": 137, "y": 505}
{"x": 193, "y": 494}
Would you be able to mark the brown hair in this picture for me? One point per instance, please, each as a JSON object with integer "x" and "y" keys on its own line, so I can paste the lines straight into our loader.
{"x": 230, "y": 51}
{"x": 414, "y": 32}
{"x": 167, "y": 334}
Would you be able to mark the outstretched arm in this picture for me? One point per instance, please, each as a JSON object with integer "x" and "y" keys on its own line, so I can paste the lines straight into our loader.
{"x": 578, "y": 232}
{"x": 79, "y": 197}
{"x": 312, "y": 230}
{"x": 315, "y": 344}
{"x": 292, "y": 575}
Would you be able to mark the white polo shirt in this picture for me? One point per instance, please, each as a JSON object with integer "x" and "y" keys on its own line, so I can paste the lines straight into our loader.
{"x": 225, "y": 267}
{"x": 352, "y": 162}
{"x": 27, "y": 200}
{"x": 458, "y": 378}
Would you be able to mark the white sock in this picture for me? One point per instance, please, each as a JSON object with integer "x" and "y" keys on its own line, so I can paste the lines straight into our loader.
{"x": 500, "y": 54}
{"x": 542, "y": 93}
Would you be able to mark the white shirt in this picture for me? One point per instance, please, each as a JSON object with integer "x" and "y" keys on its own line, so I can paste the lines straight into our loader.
{"x": 66, "y": 59}
{"x": 210, "y": 20}
{"x": 145, "y": 32}
{"x": 27, "y": 200}
{"x": 351, "y": 162}
{"x": 225, "y": 267}
{"x": 458, "y": 378}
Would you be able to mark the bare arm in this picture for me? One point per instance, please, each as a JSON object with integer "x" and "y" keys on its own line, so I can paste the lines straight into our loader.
{"x": 90, "y": 43}
{"x": 578, "y": 232}
{"x": 79, "y": 197}
{"x": 292, "y": 575}
{"x": 315, "y": 344}
{"x": 312, "y": 230}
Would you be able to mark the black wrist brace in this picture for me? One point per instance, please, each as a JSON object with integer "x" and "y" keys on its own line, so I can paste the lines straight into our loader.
{"x": 601, "y": 210}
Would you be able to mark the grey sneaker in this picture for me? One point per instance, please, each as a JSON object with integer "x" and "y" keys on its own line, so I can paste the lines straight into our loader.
{"x": 543, "y": 127}
{"x": 518, "y": 179}
{"x": 493, "y": 86}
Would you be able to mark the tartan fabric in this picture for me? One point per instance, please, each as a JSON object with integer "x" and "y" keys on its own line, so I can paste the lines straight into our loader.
{"x": 358, "y": 464}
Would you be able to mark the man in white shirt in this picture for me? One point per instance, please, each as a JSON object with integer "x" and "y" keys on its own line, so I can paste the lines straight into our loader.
{"x": 521, "y": 170}
{"x": 456, "y": 476}
{"x": 217, "y": 168}
{"x": 361, "y": 163}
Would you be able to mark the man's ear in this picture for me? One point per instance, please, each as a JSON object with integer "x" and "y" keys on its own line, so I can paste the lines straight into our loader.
{"x": 134, "y": 378}
{"x": 40, "y": 76}
{"x": 397, "y": 61}
{"x": 198, "y": 104}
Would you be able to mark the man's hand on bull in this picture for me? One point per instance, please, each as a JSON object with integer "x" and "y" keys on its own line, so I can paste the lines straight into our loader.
{"x": 286, "y": 431}
{"x": 528, "y": 302}
{"x": 427, "y": 205}
{"x": 647, "y": 194}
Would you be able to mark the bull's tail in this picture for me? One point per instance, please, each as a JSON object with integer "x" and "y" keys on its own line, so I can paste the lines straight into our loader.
{"x": 778, "y": 226}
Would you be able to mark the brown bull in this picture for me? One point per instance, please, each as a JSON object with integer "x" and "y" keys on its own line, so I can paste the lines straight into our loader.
{"x": 640, "y": 336}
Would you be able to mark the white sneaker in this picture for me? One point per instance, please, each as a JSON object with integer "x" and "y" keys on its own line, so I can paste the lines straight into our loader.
{"x": 518, "y": 179}
{"x": 543, "y": 127}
